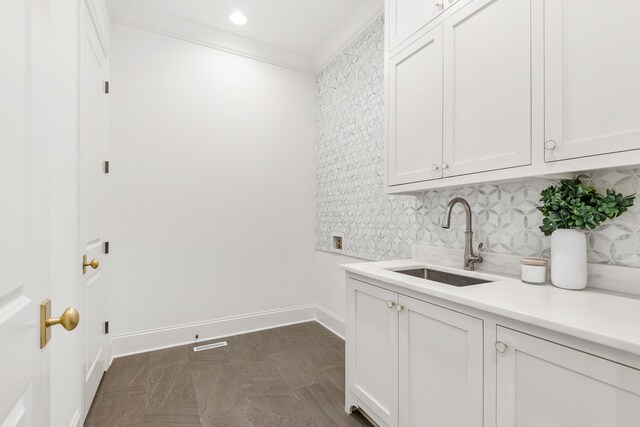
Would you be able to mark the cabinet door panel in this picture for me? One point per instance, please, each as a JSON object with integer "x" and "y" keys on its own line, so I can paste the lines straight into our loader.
{"x": 372, "y": 349}
{"x": 592, "y": 89}
{"x": 441, "y": 366}
{"x": 415, "y": 111}
{"x": 541, "y": 383}
{"x": 487, "y": 86}
{"x": 408, "y": 16}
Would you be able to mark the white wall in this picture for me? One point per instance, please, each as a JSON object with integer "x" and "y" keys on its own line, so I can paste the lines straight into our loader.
{"x": 329, "y": 282}
{"x": 211, "y": 184}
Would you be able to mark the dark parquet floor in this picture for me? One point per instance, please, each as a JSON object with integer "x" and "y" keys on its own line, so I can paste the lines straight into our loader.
{"x": 288, "y": 376}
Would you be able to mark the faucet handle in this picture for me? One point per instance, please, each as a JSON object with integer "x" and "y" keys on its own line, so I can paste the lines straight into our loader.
{"x": 478, "y": 258}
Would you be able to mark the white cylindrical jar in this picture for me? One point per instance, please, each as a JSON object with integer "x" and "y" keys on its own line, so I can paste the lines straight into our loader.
{"x": 569, "y": 259}
{"x": 534, "y": 270}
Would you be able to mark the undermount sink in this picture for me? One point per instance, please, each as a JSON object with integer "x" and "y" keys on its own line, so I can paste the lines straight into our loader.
{"x": 442, "y": 277}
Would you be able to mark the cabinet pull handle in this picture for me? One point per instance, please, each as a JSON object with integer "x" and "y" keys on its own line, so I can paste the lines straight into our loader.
{"x": 399, "y": 307}
{"x": 390, "y": 304}
{"x": 434, "y": 167}
{"x": 445, "y": 165}
{"x": 550, "y": 145}
{"x": 501, "y": 347}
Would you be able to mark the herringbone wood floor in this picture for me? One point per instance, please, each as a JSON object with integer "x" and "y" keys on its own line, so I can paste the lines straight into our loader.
{"x": 289, "y": 376}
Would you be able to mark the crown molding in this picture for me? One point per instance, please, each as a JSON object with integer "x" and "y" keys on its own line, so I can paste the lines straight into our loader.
{"x": 203, "y": 35}
{"x": 351, "y": 28}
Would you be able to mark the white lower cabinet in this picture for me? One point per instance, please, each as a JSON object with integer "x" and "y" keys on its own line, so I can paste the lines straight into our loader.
{"x": 441, "y": 366}
{"x": 372, "y": 349}
{"x": 540, "y": 383}
{"x": 411, "y": 363}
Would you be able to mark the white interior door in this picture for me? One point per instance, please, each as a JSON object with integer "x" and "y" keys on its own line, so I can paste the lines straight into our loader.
{"x": 93, "y": 146}
{"x": 487, "y": 86}
{"x": 24, "y": 215}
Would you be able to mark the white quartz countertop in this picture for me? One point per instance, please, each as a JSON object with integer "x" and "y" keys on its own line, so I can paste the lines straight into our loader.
{"x": 602, "y": 317}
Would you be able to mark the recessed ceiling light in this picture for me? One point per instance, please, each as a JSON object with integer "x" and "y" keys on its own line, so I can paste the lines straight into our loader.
{"x": 238, "y": 18}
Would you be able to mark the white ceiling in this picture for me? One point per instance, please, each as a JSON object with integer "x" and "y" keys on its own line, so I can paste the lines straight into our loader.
{"x": 299, "y": 26}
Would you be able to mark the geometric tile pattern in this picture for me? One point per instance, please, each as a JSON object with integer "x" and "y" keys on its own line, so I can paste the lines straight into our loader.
{"x": 350, "y": 167}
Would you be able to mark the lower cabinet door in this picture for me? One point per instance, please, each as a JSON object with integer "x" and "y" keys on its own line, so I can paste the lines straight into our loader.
{"x": 372, "y": 349}
{"x": 441, "y": 366}
{"x": 543, "y": 384}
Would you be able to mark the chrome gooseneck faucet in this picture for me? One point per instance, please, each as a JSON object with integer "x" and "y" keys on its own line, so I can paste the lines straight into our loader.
{"x": 470, "y": 259}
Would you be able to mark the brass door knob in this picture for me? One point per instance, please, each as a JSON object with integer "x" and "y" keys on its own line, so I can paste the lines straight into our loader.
{"x": 94, "y": 263}
{"x": 69, "y": 320}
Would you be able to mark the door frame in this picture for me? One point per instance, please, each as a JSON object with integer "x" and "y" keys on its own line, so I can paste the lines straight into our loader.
{"x": 94, "y": 19}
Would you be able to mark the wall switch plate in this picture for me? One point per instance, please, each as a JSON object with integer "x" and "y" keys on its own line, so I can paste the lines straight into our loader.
{"x": 337, "y": 242}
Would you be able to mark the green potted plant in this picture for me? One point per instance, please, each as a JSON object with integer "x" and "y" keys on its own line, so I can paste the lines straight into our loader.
{"x": 568, "y": 208}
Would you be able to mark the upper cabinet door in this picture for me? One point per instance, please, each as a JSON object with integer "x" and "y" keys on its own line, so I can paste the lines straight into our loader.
{"x": 592, "y": 100}
{"x": 408, "y": 16}
{"x": 540, "y": 383}
{"x": 487, "y": 87}
{"x": 414, "y": 111}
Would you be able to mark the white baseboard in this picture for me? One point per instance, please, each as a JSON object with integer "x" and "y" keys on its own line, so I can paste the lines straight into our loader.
{"x": 156, "y": 339}
{"x": 330, "y": 320}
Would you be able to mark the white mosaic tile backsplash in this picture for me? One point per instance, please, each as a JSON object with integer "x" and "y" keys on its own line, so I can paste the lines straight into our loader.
{"x": 350, "y": 167}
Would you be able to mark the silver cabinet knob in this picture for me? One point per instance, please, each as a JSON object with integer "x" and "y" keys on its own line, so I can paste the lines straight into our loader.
{"x": 399, "y": 307}
{"x": 390, "y": 304}
{"x": 550, "y": 145}
{"x": 445, "y": 165}
{"x": 438, "y": 5}
{"x": 434, "y": 167}
{"x": 501, "y": 347}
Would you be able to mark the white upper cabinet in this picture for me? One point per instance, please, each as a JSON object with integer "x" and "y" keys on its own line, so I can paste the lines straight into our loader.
{"x": 512, "y": 88}
{"x": 441, "y": 366}
{"x": 414, "y": 97}
{"x": 592, "y": 78}
{"x": 540, "y": 383}
{"x": 487, "y": 87}
{"x": 406, "y": 17}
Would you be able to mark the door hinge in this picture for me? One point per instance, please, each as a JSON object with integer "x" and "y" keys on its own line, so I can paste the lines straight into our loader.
{"x": 106, "y": 86}
{"x": 106, "y": 327}
{"x": 106, "y": 166}
{"x": 106, "y": 247}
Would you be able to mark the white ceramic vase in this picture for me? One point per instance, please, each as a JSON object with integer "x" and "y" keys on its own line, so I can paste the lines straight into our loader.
{"x": 569, "y": 259}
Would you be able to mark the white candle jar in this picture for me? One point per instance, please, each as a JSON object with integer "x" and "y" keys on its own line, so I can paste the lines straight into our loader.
{"x": 534, "y": 270}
